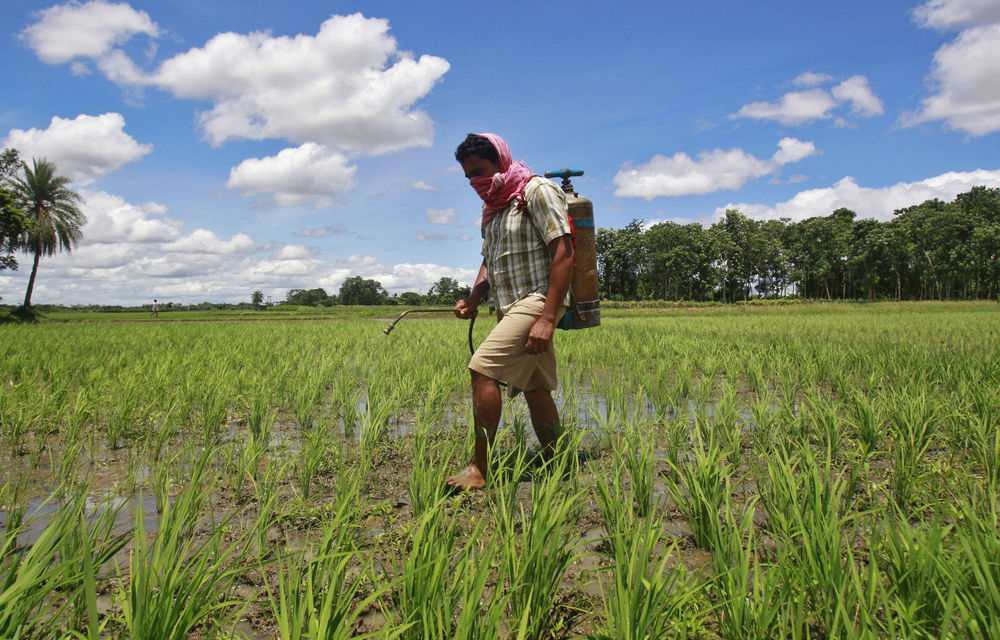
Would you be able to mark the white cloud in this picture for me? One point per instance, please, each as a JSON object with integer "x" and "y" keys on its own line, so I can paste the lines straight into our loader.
{"x": 801, "y": 107}
{"x": 349, "y": 86}
{"x": 84, "y": 148}
{"x": 715, "y": 170}
{"x": 205, "y": 241}
{"x": 89, "y": 30}
{"x": 295, "y": 252}
{"x": 945, "y": 14}
{"x": 966, "y": 84}
{"x": 810, "y": 79}
{"x": 420, "y": 185}
{"x": 867, "y": 202}
{"x": 112, "y": 221}
{"x": 856, "y": 91}
{"x": 440, "y": 216}
{"x": 794, "y": 108}
{"x": 310, "y": 173}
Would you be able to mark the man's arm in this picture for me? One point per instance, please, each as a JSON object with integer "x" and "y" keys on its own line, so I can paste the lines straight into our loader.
{"x": 467, "y": 307}
{"x": 540, "y": 336}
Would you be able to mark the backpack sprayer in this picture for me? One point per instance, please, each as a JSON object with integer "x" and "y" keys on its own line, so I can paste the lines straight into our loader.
{"x": 585, "y": 306}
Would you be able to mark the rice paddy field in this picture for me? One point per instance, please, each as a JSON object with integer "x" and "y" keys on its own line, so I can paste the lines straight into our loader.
{"x": 803, "y": 471}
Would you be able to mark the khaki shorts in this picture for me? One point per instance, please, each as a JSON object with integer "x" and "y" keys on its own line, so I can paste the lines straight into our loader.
{"x": 502, "y": 355}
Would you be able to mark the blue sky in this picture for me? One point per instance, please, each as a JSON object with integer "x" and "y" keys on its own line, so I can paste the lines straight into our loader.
{"x": 226, "y": 147}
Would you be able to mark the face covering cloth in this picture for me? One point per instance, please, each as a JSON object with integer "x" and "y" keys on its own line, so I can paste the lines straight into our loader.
{"x": 500, "y": 189}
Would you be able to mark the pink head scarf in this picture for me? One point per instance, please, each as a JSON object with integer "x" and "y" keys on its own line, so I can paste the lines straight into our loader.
{"x": 498, "y": 190}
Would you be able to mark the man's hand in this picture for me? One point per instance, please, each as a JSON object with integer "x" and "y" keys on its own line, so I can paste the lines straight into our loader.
{"x": 540, "y": 336}
{"x": 466, "y": 308}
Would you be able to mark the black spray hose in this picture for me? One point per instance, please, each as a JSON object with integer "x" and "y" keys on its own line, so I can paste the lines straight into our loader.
{"x": 472, "y": 324}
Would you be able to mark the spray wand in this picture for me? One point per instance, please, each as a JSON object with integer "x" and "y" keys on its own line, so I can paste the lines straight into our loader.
{"x": 392, "y": 325}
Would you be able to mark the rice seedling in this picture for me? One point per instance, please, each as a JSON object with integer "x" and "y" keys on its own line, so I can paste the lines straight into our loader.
{"x": 699, "y": 488}
{"x": 637, "y": 455}
{"x": 428, "y": 594}
{"x": 535, "y": 567}
{"x": 648, "y": 598}
{"x": 176, "y": 582}
{"x": 428, "y": 475}
{"x": 918, "y": 564}
{"x": 750, "y": 594}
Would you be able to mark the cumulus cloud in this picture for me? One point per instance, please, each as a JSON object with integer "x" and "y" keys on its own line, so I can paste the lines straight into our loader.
{"x": 794, "y": 108}
{"x": 431, "y": 237}
{"x": 868, "y": 202}
{"x": 856, "y": 91}
{"x": 113, "y": 221}
{"x": 90, "y": 30}
{"x": 965, "y": 76}
{"x": 84, "y": 148}
{"x": 952, "y": 14}
{"x": 349, "y": 86}
{"x": 295, "y": 252}
{"x": 420, "y": 185}
{"x": 715, "y": 170}
{"x": 205, "y": 241}
{"x": 801, "y": 107}
{"x": 440, "y": 216}
{"x": 311, "y": 173}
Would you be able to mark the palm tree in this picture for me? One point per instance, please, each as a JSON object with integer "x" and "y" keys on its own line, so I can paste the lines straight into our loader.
{"x": 53, "y": 211}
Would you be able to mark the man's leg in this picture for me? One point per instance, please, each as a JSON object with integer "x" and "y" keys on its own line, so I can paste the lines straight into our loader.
{"x": 486, "y": 405}
{"x": 544, "y": 418}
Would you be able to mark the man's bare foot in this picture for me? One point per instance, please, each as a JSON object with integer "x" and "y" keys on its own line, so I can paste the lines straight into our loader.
{"x": 471, "y": 479}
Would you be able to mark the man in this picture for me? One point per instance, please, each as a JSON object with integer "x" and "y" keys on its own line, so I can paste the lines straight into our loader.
{"x": 527, "y": 266}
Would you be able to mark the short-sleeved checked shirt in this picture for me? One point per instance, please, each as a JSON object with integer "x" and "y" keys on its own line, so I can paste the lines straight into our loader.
{"x": 516, "y": 243}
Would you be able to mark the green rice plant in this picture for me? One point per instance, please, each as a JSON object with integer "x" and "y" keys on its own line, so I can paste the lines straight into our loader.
{"x": 985, "y": 445}
{"x": 375, "y": 420}
{"x": 535, "y": 567}
{"x": 30, "y": 581}
{"x": 921, "y": 578}
{"x": 260, "y": 418}
{"x": 677, "y": 441}
{"x": 84, "y": 549}
{"x": 428, "y": 476}
{"x": 313, "y": 453}
{"x": 820, "y": 554}
{"x": 865, "y": 421}
{"x": 978, "y": 586}
{"x": 508, "y": 471}
{"x": 637, "y": 454}
{"x": 913, "y": 417}
{"x": 481, "y": 609}
{"x": 432, "y": 409}
{"x": 751, "y": 595}
{"x": 428, "y": 596}
{"x": 322, "y": 592}
{"x": 699, "y": 488}
{"x": 647, "y": 598}
{"x": 177, "y": 583}
{"x": 212, "y": 407}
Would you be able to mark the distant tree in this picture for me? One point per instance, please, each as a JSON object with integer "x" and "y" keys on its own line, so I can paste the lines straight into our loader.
{"x": 447, "y": 291}
{"x": 53, "y": 213}
{"x": 257, "y": 298}
{"x": 307, "y": 297}
{"x": 358, "y": 290}
{"x": 12, "y": 220}
{"x": 411, "y": 299}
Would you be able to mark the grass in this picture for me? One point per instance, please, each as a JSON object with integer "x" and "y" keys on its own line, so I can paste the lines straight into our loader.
{"x": 787, "y": 472}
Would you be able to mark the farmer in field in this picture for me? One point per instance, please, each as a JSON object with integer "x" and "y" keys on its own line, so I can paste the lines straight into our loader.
{"x": 527, "y": 265}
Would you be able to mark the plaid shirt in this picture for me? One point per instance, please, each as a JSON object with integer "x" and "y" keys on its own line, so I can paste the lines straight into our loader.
{"x": 516, "y": 243}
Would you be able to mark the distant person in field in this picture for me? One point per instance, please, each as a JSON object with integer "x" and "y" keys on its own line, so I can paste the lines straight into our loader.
{"x": 527, "y": 265}
{"x": 156, "y": 309}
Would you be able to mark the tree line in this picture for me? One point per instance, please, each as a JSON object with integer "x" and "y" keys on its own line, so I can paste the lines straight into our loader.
{"x": 365, "y": 291}
{"x": 935, "y": 250}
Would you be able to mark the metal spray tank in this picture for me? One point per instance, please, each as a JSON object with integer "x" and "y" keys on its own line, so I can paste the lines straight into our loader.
{"x": 585, "y": 293}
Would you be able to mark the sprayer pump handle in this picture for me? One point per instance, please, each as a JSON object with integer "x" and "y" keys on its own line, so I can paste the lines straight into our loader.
{"x": 564, "y": 173}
